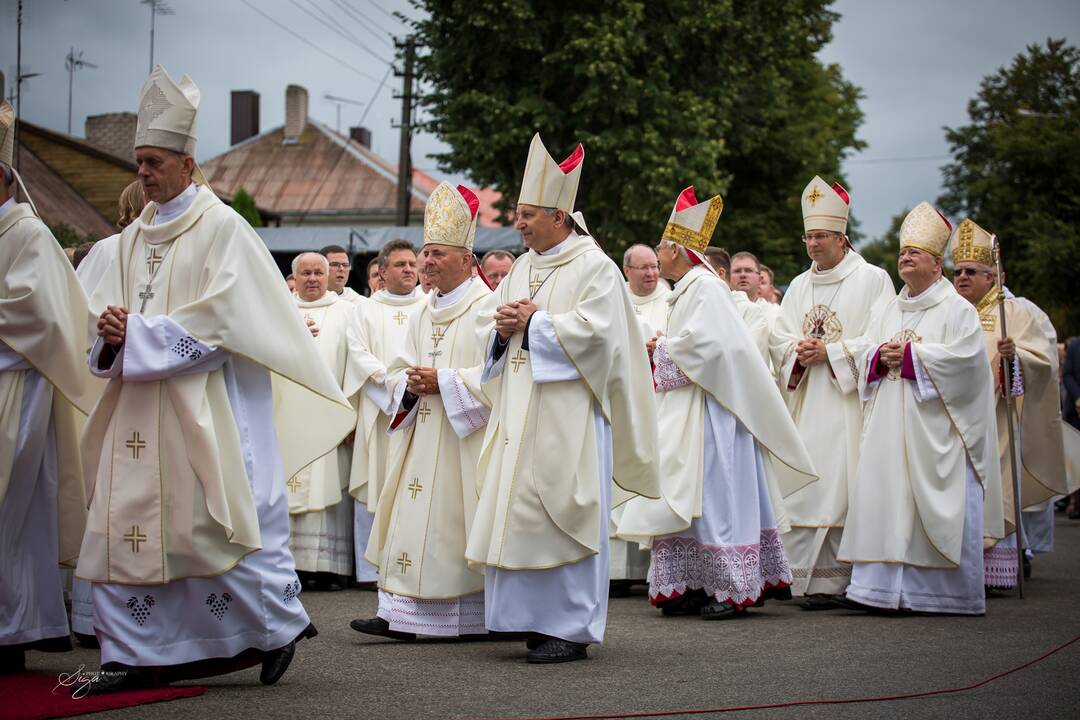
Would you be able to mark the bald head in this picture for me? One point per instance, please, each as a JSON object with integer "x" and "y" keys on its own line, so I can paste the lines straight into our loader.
{"x": 641, "y": 269}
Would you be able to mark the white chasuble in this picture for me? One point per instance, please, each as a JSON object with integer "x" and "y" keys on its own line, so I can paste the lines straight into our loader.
{"x": 167, "y": 466}
{"x": 352, "y": 297}
{"x": 909, "y": 501}
{"x": 833, "y": 306}
{"x": 376, "y": 336}
{"x": 710, "y": 347}
{"x": 753, "y": 316}
{"x": 652, "y": 309}
{"x": 429, "y": 498}
{"x": 539, "y": 473}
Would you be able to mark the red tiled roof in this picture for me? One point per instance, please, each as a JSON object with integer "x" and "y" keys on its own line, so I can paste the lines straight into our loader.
{"x": 57, "y": 202}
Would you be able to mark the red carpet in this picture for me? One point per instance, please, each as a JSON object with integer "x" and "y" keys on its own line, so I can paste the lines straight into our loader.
{"x": 32, "y": 696}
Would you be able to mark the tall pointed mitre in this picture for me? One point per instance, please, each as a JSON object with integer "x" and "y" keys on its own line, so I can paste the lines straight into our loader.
{"x": 926, "y": 229}
{"x": 579, "y": 220}
{"x": 825, "y": 207}
{"x": 168, "y": 114}
{"x": 692, "y": 223}
{"x": 970, "y": 243}
{"x": 7, "y": 133}
{"x": 550, "y": 184}
{"x": 450, "y": 216}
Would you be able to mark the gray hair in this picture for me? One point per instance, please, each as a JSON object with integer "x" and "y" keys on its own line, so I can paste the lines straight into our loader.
{"x": 678, "y": 248}
{"x": 630, "y": 252}
{"x": 296, "y": 261}
{"x": 566, "y": 216}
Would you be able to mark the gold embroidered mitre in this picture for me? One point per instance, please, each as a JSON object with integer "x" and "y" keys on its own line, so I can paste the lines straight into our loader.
{"x": 825, "y": 207}
{"x": 970, "y": 243}
{"x": 550, "y": 184}
{"x": 926, "y": 229}
{"x": 450, "y": 216}
{"x": 7, "y": 133}
{"x": 692, "y": 223}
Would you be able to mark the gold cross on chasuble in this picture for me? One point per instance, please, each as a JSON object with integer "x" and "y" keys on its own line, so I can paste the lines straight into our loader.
{"x": 437, "y": 334}
{"x": 135, "y": 444}
{"x": 400, "y": 317}
{"x": 518, "y": 360}
{"x": 814, "y": 196}
{"x": 135, "y": 537}
{"x": 535, "y": 284}
{"x": 415, "y": 488}
{"x": 404, "y": 562}
{"x": 423, "y": 412}
{"x": 293, "y": 484}
{"x": 153, "y": 260}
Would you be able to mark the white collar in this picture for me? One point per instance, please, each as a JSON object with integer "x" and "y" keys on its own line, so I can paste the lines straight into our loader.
{"x": 176, "y": 207}
{"x": 556, "y": 249}
{"x": 442, "y": 300}
{"x": 10, "y": 203}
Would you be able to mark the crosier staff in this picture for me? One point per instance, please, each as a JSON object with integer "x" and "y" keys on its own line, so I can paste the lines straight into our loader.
{"x": 1007, "y": 375}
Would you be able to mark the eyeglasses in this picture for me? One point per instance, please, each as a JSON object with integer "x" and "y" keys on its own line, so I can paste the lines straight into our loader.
{"x": 340, "y": 266}
{"x": 644, "y": 268}
{"x": 819, "y": 237}
{"x": 971, "y": 272}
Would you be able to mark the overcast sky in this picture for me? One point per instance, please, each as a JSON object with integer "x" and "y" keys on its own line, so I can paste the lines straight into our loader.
{"x": 918, "y": 63}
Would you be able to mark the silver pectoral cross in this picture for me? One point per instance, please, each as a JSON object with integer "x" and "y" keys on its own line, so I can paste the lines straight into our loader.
{"x": 145, "y": 295}
{"x": 434, "y": 354}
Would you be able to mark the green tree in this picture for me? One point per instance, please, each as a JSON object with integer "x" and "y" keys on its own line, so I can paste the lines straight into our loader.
{"x": 727, "y": 96}
{"x": 68, "y": 236}
{"x": 1017, "y": 172}
{"x": 244, "y": 205}
{"x": 884, "y": 250}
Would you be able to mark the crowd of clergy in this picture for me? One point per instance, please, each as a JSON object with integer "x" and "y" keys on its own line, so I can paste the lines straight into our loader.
{"x": 496, "y": 447}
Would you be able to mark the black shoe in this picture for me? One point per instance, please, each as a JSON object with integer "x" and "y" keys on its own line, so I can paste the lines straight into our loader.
{"x": 327, "y": 582}
{"x": 557, "y": 650}
{"x": 721, "y": 611}
{"x": 380, "y": 627}
{"x": 535, "y": 640}
{"x": 820, "y": 601}
{"x": 276, "y": 663}
{"x": 776, "y": 593}
{"x": 90, "y": 642}
{"x": 368, "y": 586}
{"x": 110, "y": 681}
{"x": 848, "y": 604}
{"x": 1027, "y": 566}
{"x": 620, "y": 588}
{"x": 12, "y": 660}
{"x": 689, "y": 603}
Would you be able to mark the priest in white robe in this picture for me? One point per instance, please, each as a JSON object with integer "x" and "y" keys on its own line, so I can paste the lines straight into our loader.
{"x": 429, "y": 498}
{"x": 823, "y": 316}
{"x": 571, "y": 372}
{"x": 915, "y": 523}
{"x": 43, "y": 386}
{"x": 320, "y": 510}
{"x": 377, "y": 336}
{"x": 186, "y": 454}
{"x": 1032, "y": 380}
{"x": 340, "y": 269}
{"x": 715, "y": 533}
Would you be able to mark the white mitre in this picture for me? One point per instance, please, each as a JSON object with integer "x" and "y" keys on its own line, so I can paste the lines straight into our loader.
{"x": 925, "y": 228}
{"x": 579, "y": 220}
{"x": 825, "y": 207}
{"x": 168, "y": 113}
{"x": 7, "y": 146}
{"x": 550, "y": 184}
{"x": 692, "y": 223}
{"x": 450, "y": 216}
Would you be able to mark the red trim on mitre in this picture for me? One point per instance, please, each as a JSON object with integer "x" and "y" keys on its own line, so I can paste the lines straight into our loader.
{"x": 945, "y": 219}
{"x": 686, "y": 199}
{"x": 470, "y": 199}
{"x": 568, "y": 165}
{"x": 842, "y": 193}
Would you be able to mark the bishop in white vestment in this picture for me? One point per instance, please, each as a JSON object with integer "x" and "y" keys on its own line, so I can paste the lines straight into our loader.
{"x": 185, "y": 456}
{"x": 715, "y": 533}
{"x": 320, "y": 510}
{"x": 915, "y": 522}
{"x": 43, "y": 386}
{"x": 823, "y": 315}
{"x": 429, "y": 498}
{"x": 571, "y": 373}
{"x": 377, "y": 336}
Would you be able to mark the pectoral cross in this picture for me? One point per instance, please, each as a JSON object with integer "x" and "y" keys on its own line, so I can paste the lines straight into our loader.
{"x": 145, "y": 295}
{"x": 434, "y": 354}
{"x": 400, "y": 317}
{"x": 293, "y": 484}
{"x": 135, "y": 444}
{"x": 135, "y": 537}
{"x": 518, "y": 360}
{"x": 415, "y": 488}
{"x": 153, "y": 260}
{"x": 423, "y": 412}
{"x": 404, "y": 562}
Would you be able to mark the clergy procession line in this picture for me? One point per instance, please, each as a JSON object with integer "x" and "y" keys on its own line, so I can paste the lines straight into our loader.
{"x": 189, "y": 436}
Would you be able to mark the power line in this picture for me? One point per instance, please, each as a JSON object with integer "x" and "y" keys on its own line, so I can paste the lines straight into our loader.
{"x": 362, "y": 21}
{"x": 387, "y": 13}
{"x": 343, "y": 34}
{"x": 310, "y": 44}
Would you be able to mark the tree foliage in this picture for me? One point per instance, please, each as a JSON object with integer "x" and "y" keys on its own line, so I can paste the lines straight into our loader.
{"x": 727, "y": 96}
{"x": 244, "y": 205}
{"x": 885, "y": 250}
{"x": 1017, "y": 173}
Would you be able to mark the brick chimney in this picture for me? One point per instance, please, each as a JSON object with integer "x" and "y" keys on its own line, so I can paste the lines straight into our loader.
{"x": 296, "y": 113}
{"x": 113, "y": 132}
{"x": 361, "y": 135}
{"x": 245, "y": 115}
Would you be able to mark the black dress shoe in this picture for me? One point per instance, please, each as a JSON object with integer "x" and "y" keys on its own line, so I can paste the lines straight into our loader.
{"x": 130, "y": 678}
{"x": 722, "y": 611}
{"x": 776, "y": 593}
{"x": 380, "y": 627}
{"x": 848, "y": 604}
{"x": 90, "y": 642}
{"x": 1027, "y": 566}
{"x": 689, "y": 603}
{"x": 819, "y": 601}
{"x": 535, "y": 640}
{"x": 276, "y": 663}
{"x": 557, "y": 650}
{"x": 620, "y": 588}
{"x": 12, "y": 660}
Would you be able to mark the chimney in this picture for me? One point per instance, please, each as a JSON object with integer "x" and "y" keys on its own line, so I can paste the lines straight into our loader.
{"x": 361, "y": 135}
{"x": 245, "y": 115}
{"x": 113, "y": 132}
{"x": 296, "y": 113}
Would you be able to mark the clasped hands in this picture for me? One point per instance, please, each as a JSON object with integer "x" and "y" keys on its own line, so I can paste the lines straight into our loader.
{"x": 891, "y": 355}
{"x": 112, "y": 325}
{"x": 422, "y": 381}
{"x": 650, "y": 345}
{"x": 811, "y": 352}
{"x": 513, "y": 317}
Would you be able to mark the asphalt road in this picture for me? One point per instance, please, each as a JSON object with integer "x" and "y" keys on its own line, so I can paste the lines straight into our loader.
{"x": 651, "y": 664}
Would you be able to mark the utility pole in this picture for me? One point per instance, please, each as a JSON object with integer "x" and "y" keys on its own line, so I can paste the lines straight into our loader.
{"x": 74, "y": 62}
{"x": 18, "y": 86}
{"x": 157, "y": 7}
{"x": 404, "y": 185}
